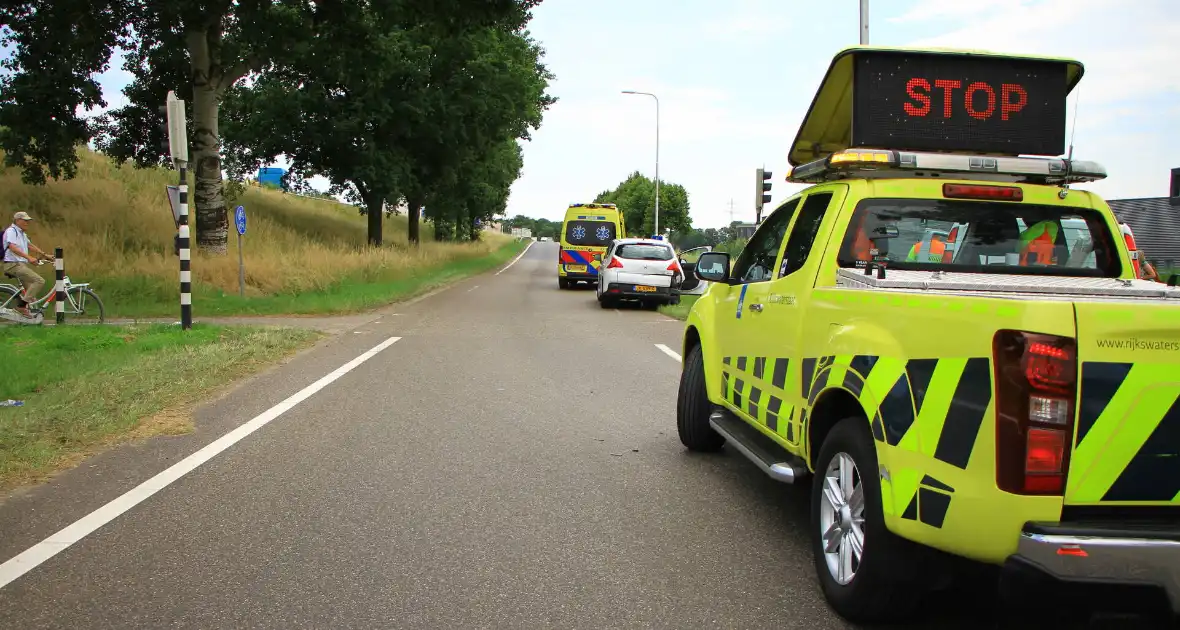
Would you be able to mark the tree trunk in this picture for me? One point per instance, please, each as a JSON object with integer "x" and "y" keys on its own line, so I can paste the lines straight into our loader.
{"x": 414, "y": 202}
{"x": 212, "y": 224}
{"x": 212, "y": 221}
{"x": 375, "y": 211}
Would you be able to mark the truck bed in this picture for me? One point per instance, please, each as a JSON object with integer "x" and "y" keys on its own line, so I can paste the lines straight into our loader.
{"x": 1010, "y": 286}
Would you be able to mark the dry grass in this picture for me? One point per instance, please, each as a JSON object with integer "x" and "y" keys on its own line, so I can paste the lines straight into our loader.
{"x": 116, "y": 228}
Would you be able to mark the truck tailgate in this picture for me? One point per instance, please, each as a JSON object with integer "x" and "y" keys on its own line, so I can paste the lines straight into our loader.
{"x": 1127, "y": 439}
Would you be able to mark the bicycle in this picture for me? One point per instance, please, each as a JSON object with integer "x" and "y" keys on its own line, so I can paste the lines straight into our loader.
{"x": 77, "y": 298}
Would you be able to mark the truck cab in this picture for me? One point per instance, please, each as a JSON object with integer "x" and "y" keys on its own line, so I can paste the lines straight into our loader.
{"x": 1012, "y": 399}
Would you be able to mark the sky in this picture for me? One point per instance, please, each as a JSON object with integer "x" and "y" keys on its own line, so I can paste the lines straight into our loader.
{"x": 735, "y": 77}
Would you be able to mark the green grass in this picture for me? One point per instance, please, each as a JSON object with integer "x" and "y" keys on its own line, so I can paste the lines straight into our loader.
{"x": 137, "y": 297}
{"x": 88, "y": 387}
{"x": 680, "y": 311}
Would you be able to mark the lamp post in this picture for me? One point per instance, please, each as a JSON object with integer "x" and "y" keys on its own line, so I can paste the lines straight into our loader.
{"x": 864, "y": 22}
{"x": 656, "y": 222}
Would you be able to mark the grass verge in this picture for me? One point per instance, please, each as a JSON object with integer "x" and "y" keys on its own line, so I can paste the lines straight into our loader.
{"x": 680, "y": 311}
{"x": 86, "y": 388}
{"x": 347, "y": 295}
{"x": 116, "y": 229}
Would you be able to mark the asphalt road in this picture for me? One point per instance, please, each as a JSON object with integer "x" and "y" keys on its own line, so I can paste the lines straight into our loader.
{"x": 511, "y": 461}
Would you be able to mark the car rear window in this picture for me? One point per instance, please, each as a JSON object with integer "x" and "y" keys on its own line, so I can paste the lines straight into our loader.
{"x": 587, "y": 233}
{"x": 636, "y": 251}
{"x": 980, "y": 237}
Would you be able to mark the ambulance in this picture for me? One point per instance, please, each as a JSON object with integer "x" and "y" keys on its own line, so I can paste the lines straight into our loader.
{"x": 586, "y": 232}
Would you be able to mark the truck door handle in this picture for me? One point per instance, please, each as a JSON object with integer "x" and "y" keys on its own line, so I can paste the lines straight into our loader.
{"x": 756, "y": 307}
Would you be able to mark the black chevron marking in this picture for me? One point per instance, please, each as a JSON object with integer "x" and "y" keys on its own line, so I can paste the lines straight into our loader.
{"x": 920, "y": 371}
{"x": 806, "y": 375}
{"x": 759, "y": 366}
{"x": 1154, "y": 472}
{"x": 779, "y": 379}
{"x": 1100, "y": 381}
{"x": 863, "y": 364}
{"x": 965, "y": 416}
{"x": 897, "y": 410}
{"x": 934, "y": 483}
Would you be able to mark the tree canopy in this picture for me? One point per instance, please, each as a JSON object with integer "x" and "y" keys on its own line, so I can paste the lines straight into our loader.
{"x": 636, "y": 196}
{"x": 291, "y": 51}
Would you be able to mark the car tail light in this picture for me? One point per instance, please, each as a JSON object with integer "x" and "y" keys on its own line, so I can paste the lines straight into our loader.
{"x": 615, "y": 263}
{"x": 975, "y": 191}
{"x": 674, "y": 267}
{"x": 1036, "y": 394}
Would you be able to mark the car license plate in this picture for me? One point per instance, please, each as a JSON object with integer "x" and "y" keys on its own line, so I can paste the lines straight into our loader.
{"x": 643, "y": 289}
{"x": 576, "y": 268}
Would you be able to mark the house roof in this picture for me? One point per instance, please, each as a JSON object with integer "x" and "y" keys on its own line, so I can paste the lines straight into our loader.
{"x": 1156, "y": 224}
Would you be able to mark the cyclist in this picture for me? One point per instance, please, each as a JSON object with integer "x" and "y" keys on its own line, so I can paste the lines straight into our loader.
{"x": 18, "y": 254}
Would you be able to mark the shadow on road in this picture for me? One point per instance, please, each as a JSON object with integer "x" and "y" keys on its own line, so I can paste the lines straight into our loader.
{"x": 972, "y": 601}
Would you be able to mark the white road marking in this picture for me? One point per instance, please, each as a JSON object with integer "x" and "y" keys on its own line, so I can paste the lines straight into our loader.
{"x": 473, "y": 288}
{"x": 668, "y": 351}
{"x": 32, "y": 557}
{"x": 526, "y": 249}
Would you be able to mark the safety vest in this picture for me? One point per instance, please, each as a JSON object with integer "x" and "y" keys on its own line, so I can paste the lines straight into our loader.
{"x": 937, "y": 247}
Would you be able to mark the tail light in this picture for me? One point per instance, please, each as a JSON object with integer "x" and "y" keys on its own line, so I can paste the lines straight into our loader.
{"x": 1036, "y": 394}
{"x": 615, "y": 263}
{"x": 977, "y": 191}
{"x": 1129, "y": 239}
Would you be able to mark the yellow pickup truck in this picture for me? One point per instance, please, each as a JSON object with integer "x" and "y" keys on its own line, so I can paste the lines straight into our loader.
{"x": 1006, "y": 391}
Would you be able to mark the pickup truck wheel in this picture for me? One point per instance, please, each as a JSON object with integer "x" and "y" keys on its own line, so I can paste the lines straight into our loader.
{"x": 563, "y": 283}
{"x": 860, "y": 564}
{"x": 693, "y": 407}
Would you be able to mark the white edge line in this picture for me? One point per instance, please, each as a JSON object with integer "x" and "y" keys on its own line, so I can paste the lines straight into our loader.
{"x": 32, "y": 557}
{"x": 668, "y": 351}
{"x": 473, "y": 288}
{"x": 526, "y": 249}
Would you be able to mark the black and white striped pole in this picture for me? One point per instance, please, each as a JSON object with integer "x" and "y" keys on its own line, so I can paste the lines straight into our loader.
{"x": 186, "y": 273}
{"x": 59, "y": 296}
{"x": 178, "y": 150}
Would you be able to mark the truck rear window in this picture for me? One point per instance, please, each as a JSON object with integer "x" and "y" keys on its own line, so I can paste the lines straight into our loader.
{"x": 589, "y": 233}
{"x": 980, "y": 237}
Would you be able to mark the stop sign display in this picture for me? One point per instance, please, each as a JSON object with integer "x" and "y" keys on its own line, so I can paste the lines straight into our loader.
{"x": 938, "y": 102}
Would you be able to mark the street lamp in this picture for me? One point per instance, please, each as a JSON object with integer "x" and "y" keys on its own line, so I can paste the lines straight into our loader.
{"x": 657, "y": 217}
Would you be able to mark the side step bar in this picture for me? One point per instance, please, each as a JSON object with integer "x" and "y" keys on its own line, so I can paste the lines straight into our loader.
{"x": 770, "y": 457}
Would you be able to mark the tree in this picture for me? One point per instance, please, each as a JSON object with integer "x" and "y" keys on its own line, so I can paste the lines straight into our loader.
{"x": 635, "y": 196}
{"x": 199, "y": 49}
{"x": 479, "y": 196}
{"x": 483, "y": 89}
{"x": 408, "y": 105}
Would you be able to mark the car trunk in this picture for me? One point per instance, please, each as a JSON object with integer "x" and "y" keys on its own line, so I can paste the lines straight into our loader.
{"x": 653, "y": 273}
{"x": 1127, "y": 430}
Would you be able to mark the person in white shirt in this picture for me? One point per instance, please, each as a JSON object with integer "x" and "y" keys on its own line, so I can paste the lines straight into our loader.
{"x": 18, "y": 256}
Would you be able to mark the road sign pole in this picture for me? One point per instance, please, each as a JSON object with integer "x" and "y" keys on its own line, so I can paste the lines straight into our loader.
{"x": 186, "y": 273}
{"x": 240, "y": 224}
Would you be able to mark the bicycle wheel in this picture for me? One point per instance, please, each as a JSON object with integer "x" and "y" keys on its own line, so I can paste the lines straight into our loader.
{"x": 8, "y": 295}
{"x": 82, "y": 304}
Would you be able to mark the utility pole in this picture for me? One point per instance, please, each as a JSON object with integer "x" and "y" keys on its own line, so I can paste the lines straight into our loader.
{"x": 731, "y": 211}
{"x": 864, "y": 22}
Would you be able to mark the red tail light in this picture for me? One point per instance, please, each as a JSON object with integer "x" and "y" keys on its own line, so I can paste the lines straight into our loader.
{"x": 1036, "y": 394}
{"x": 674, "y": 267}
{"x": 973, "y": 191}
{"x": 615, "y": 263}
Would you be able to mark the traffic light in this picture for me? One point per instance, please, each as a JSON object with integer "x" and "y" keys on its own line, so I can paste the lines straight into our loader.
{"x": 162, "y": 125}
{"x": 762, "y": 182}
